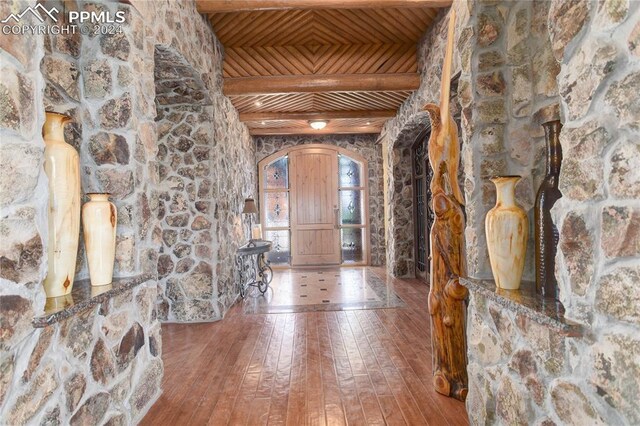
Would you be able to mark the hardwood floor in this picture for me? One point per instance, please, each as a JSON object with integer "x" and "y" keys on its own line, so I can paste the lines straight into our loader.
{"x": 312, "y": 368}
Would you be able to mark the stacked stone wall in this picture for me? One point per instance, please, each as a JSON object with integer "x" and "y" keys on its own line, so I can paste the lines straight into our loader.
{"x": 367, "y": 147}
{"x": 213, "y": 166}
{"x": 399, "y": 133}
{"x": 101, "y": 365}
{"x": 104, "y": 365}
{"x": 23, "y": 203}
{"x": 523, "y": 372}
{"x": 596, "y": 44}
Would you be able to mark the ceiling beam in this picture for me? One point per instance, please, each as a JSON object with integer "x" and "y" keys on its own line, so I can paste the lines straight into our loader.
{"x": 254, "y": 86}
{"x": 321, "y": 115}
{"x": 221, "y": 6}
{"x": 326, "y": 131}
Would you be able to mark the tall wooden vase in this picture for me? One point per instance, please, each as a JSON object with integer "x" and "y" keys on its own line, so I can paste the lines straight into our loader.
{"x": 507, "y": 229}
{"x": 99, "y": 219}
{"x": 546, "y": 233}
{"x": 62, "y": 166}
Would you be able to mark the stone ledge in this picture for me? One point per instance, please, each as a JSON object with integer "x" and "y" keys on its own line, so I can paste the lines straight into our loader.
{"x": 83, "y": 297}
{"x": 527, "y": 302}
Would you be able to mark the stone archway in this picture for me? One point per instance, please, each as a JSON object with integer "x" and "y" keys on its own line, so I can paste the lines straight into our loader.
{"x": 400, "y": 233}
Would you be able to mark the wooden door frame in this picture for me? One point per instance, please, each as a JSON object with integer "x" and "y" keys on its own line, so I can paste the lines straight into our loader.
{"x": 365, "y": 190}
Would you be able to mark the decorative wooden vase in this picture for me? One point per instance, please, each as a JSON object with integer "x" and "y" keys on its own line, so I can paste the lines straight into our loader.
{"x": 62, "y": 166}
{"x": 99, "y": 219}
{"x": 507, "y": 229}
{"x": 546, "y": 233}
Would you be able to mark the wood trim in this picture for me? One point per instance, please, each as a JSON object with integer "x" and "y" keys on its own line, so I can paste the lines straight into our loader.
{"x": 219, "y": 6}
{"x": 310, "y": 131}
{"x": 254, "y": 86}
{"x": 326, "y": 115}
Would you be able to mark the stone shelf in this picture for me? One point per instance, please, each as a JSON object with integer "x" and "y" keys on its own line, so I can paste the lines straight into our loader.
{"x": 527, "y": 302}
{"x": 83, "y": 297}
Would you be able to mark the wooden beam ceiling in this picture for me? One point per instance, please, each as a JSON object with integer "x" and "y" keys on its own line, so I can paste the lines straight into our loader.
{"x": 287, "y": 62}
{"x": 254, "y": 86}
{"x": 222, "y": 6}
{"x": 316, "y": 115}
{"x": 309, "y": 131}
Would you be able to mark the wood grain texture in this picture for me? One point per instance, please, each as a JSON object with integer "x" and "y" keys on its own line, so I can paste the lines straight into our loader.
{"x": 283, "y": 57}
{"x": 308, "y": 29}
{"x": 216, "y": 6}
{"x": 326, "y": 101}
{"x": 321, "y": 115}
{"x": 315, "y": 238}
{"x": 62, "y": 166}
{"x": 446, "y": 294}
{"x": 255, "y": 86}
{"x": 327, "y": 368}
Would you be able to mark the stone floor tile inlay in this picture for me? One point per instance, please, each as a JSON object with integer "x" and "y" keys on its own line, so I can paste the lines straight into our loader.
{"x": 343, "y": 289}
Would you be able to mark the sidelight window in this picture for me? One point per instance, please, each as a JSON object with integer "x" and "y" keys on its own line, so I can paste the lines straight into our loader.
{"x": 352, "y": 218}
{"x": 275, "y": 201}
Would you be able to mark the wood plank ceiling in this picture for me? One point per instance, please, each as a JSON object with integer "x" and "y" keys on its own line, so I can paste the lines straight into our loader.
{"x": 288, "y": 62}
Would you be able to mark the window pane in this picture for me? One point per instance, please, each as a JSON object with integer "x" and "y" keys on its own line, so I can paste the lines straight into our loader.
{"x": 350, "y": 171}
{"x": 280, "y": 248}
{"x": 277, "y": 174}
{"x": 277, "y": 204}
{"x": 351, "y": 207}
{"x": 352, "y": 244}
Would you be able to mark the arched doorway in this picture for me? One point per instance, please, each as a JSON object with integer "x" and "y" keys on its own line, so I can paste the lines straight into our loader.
{"x": 423, "y": 215}
{"x": 314, "y": 206}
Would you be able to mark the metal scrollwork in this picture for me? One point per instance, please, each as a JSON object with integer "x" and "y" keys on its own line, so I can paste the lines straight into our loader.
{"x": 254, "y": 268}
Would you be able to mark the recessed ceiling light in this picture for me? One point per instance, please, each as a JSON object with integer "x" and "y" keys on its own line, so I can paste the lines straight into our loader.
{"x": 368, "y": 122}
{"x": 262, "y": 122}
{"x": 318, "y": 124}
{"x": 258, "y": 103}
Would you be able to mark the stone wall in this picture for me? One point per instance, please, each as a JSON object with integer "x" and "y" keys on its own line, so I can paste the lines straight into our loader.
{"x": 596, "y": 44}
{"x": 399, "y": 133}
{"x": 105, "y": 362}
{"x": 201, "y": 145}
{"x": 92, "y": 80}
{"x": 521, "y": 372}
{"x": 23, "y": 203}
{"x": 184, "y": 130}
{"x": 514, "y": 91}
{"x": 366, "y": 146}
{"x": 506, "y": 74}
{"x": 101, "y": 365}
{"x": 70, "y": 373}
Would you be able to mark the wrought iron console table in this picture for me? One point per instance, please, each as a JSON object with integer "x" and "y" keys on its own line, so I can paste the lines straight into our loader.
{"x": 256, "y": 272}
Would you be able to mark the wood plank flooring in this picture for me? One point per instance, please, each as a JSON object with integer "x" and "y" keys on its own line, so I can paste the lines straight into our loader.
{"x": 313, "y": 368}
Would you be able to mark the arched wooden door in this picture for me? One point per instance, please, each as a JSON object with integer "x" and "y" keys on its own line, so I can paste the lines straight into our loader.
{"x": 314, "y": 206}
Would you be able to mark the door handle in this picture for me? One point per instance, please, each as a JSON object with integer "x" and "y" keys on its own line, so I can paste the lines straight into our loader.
{"x": 336, "y": 213}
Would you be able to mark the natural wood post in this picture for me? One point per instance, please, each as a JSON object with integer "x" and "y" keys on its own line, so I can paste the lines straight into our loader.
{"x": 446, "y": 295}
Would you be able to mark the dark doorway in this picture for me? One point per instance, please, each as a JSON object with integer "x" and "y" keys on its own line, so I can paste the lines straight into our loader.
{"x": 422, "y": 174}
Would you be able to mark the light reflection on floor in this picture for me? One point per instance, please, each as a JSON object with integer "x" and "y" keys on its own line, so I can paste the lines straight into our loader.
{"x": 301, "y": 290}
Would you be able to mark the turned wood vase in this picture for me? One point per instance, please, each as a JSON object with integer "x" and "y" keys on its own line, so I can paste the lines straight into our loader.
{"x": 62, "y": 166}
{"x": 99, "y": 220}
{"x": 507, "y": 229}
